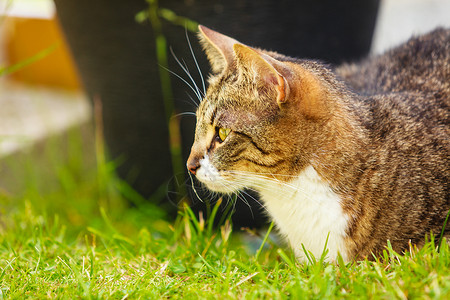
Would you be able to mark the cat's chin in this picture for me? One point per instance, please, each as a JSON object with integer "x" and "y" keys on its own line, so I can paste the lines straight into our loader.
{"x": 221, "y": 187}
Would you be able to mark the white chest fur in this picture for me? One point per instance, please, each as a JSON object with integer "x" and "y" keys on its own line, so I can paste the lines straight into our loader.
{"x": 306, "y": 211}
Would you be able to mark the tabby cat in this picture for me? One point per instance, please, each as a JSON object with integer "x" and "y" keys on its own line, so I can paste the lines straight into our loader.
{"x": 343, "y": 159}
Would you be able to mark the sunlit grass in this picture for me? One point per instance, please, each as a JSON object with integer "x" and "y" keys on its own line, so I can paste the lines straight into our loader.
{"x": 75, "y": 235}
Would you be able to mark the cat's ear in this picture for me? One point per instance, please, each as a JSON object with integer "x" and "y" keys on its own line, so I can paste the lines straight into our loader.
{"x": 218, "y": 48}
{"x": 264, "y": 68}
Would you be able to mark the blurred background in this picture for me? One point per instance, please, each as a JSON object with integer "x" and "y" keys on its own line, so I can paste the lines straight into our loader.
{"x": 84, "y": 64}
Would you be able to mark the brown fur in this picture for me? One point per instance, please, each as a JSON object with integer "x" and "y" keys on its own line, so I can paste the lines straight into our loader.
{"x": 378, "y": 131}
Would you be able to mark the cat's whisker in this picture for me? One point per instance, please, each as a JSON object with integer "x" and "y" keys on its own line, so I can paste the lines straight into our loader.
{"x": 255, "y": 176}
{"x": 254, "y": 199}
{"x": 193, "y": 187}
{"x": 260, "y": 185}
{"x": 182, "y": 79}
{"x": 192, "y": 79}
{"x": 196, "y": 103}
{"x": 246, "y": 203}
{"x": 196, "y": 63}
{"x": 235, "y": 202}
{"x": 228, "y": 185}
{"x": 272, "y": 178}
{"x": 197, "y": 90}
{"x": 187, "y": 113}
{"x": 261, "y": 182}
{"x": 265, "y": 173}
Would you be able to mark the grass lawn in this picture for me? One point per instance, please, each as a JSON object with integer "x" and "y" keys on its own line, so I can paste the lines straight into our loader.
{"x": 72, "y": 229}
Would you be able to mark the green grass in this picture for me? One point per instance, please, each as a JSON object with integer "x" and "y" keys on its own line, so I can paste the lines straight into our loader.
{"x": 68, "y": 230}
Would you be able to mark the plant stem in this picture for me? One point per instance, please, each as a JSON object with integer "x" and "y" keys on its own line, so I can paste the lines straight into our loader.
{"x": 166, "y": 87}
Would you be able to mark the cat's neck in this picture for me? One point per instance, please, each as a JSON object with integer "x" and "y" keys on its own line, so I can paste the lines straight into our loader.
{"x": 342, "y": 157}
{"x": 341, "y": 142}
{"x": 308, "y": 213}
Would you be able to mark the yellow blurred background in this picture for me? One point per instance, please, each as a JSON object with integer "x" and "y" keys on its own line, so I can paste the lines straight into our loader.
{"x": 26, "y": 34}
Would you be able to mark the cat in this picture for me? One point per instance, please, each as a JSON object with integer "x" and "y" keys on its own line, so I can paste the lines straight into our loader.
{"x": 344, "y": 159}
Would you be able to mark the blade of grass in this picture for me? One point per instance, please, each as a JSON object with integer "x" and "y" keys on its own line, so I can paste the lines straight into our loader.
{"x": 309, "y": 256}
{"x": 442, "y": 231}
{"x": 228, "y": 213}
{"x": 264, "y": 240}
{"x": 22, "y": 64}
{"x": 212, "y": 217}
{"x": 193, "y": 219}
{"x": 211, "y": 268}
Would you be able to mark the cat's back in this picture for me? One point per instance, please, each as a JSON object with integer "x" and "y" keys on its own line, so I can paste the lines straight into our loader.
{"x": 421, "y": 65}
{"x": 408, "y": 86}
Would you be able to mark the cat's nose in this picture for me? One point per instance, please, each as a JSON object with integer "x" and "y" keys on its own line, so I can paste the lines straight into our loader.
{"x": 193, "y": 164}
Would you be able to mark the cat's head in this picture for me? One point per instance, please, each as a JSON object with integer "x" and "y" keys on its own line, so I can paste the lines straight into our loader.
{"x": 258, "y": 120}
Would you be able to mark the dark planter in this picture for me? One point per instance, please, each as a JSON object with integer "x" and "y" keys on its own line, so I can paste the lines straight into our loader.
{"x": 116, "y": 60}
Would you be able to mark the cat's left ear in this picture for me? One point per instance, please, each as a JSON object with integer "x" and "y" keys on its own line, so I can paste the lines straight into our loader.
{"x": 264, "y": 68}
{"x": 218, "y": 48}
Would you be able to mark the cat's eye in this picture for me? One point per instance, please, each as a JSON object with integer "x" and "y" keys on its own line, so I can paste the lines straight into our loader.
{"x": 223, "y": 133}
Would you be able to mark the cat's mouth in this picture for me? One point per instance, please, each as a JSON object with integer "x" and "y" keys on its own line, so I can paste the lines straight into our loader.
{"x": 212, "y": 178}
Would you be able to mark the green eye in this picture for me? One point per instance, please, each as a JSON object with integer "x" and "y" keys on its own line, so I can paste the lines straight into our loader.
{"x": 223, "y": 133}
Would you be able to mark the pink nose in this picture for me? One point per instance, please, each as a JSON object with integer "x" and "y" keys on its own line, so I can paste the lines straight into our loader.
{"x": 193, "y": 164}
